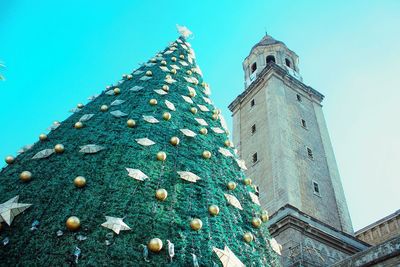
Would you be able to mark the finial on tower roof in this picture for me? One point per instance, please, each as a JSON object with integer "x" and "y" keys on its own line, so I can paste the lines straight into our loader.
{"x": 183, "y": 30}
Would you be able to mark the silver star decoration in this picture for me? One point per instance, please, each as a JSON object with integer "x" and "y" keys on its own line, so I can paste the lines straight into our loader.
{"x": 169, "y": 80}
{"x": 183, "y": 63}
{"x": 145, "y": 78}
{"x": 118, "y": 113}
{"x": 86, "y": 117}
{"x": 203, "y": 108}
{"x": 10, "y": 209}
{"x": 207, "y": 100}
{"x": 91, "y": 149}
{"x": 136, "y": 174}
{"x": 145, "y": 142}
{"x": 189, "y": 176}
{"x": 43, "y": 153}
{"x": 188, "y": 132}
{"x": 163, "y": 68}
{"x": 137, "y": 72}
{"x": 207, "y": 89}
{"x": 233, "y": 201}
{"x": 225, "y": 152}
{"x": 241, "y": 164}
{"x": 136, "y": 88}
{"x": 115, "y": 224}
{"x": 201, "y": 122}
{"x": 150, "y": 119}
{"x": 170, "y": 105}
{"x": 160, "y": 92}
{"x": 168, "y": 52}
{"x": 74, "y": 110}
{"x": 183, "y": 30}
{"x": 117, "y": 102}
{"x": 254, "y": 198}
{"x": 275, "y": 246}
{"x": 217, "y": 130}
{"x": 54, "y": 126}
{"x": 187, "y": 99}
{"x": 191, "y": 90}
{"x": 110, "y": 92}
{"x": 175, "y": 67}
{"x": 227, "y": 258}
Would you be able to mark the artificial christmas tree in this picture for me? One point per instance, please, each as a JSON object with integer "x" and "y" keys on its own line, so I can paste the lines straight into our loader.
{"x": 143, "y": 175}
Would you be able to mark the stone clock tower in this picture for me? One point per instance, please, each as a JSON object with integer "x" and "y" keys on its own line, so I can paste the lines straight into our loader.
{"x": 280, "y": 131}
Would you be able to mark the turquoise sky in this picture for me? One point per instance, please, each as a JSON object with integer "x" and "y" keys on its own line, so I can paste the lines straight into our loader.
{"x": 58, "y": 53}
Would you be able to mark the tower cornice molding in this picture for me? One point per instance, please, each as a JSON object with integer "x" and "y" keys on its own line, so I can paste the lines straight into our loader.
{"x": 274, "y": 69}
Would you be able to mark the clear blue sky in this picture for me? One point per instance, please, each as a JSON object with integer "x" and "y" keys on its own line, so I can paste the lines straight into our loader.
{"x": 58, "y": 54}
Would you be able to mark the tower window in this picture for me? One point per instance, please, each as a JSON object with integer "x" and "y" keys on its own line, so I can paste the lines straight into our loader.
{"x": 270, "y": 59}
{"x": 253, "y": 129}
{"x": 252, "y": 103}
{"x": 253, "y": 67}
{"x": 303, "y": 123}
{"x": 298, "y": 97}
{"x": 255, "y": 158}
{"x": 316, "y": 188}
{"x": 310, "y": 153}
{"x": 287, "y": 61}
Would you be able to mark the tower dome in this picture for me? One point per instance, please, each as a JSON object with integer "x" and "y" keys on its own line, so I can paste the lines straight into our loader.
{"x": 269, "y": 51}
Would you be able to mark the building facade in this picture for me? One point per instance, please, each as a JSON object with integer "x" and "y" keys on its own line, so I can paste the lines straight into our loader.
{"x": 280, "y": 131}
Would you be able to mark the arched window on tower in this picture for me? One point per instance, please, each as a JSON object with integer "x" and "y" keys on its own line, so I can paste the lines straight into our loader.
{"x": 270, "y": 59}
{"x": 253, "y": 67}
{"x": 287, "y": 61}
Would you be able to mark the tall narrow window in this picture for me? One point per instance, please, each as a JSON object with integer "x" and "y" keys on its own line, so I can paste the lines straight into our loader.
{"x": 316, "y": 188}
{"x": 303, "y": 123}
{"x": 255, "y": 158}
{"x": 270, "y": 59}
{"x": 253, "y": 129}
{"x": 252, "y": 103}
{"x": 310, "y": 153}
{"x": 298, "y": 97}
{"x": 287, "y": 61}
{"x": 253, "y": 67}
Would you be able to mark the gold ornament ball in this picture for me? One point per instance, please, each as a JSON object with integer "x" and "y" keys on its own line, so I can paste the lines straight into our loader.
{"x": 153, "y": 102}
{"x": 42, "y": 137}
{"x": 247, "y": 181}
{"x": 80, "y": 105}
{"x": 161, "y": 194}
{"x": 216, "y": 111}
{"x": 203, "y": 84}
{"x": 163, "y": 62}
{"x": 166, "y": 116}
{"x": 192, "y": 94}
{"x": 174, "y": 141}
{"x": 73, "y": 223}
{"x": 131, "y": 123}
{"x": 9, "y": 159}
{"x": 196, "y": 224}
{"x": 213, "y": 210}
{"x": 80, "y": 181}
{"x": 59, "y": 148}
{"x": 189, "y": 72}
{"x": 173, "y": 71}
{"x": 227, "y": 143}
{"x": 168, "y": 76}
{"x": 173, "y": 59}
{"x": 196, "y": 82}
{"x": 155, "y": 245}
{"x": 206, "y": 154}
{"x": 149, "y": 73}
{"x": 193, "y": 110}
{"x": 231, "y": 185}
{"x": 181, "y": 56}
{"x": 165, "y": 88}
{"x": 129, "y": 76}
{"x": 161, "y": 156}
{"x": 25, "y": 176}
{"x": 117, "y": 91}
{"x": 153, "y": 60}
{"x": 248, "y": 237}
{"x": 264, "y": 216}
{"x": 203, "y": 131}
{"x": 215, "y": 117}
{"x": 104, "y": 108}
{"x": 256, "y": 222}
{"x": 78, "y": 125}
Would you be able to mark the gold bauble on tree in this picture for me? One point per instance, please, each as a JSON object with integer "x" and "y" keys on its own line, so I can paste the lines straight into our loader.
{"x": 213, "y": 210}
{"x": 9, "y": 159}
{"x": 264, "y": 216}
{"x": 59, "y": 148}
{"x": 182, "y": 56}
{"x": 203, "y": 131}
{"x": 189, "y": 72}
{"x": 166, "y": 116}
{"x": 256, "y": 222}
{"x": 42, "y": 137}
{"x": 206, "y": 154}
{"x": 231, "y": 185}
{"x": 173, "y": 71}
{"x": 247, "y": 181}
{"x": 153, "y": 102}
{"x": 149, "y": 73}
{"x": 216, "y": 111}
{"x": 248, "y": 237}
{"x": 155, "y": 245}
{"x": 117, "y": 91}
{"x": 174, "y": 141}
{"x": 215, "y": 117}
{"x": 129, "y": 76}
{"x": 73, "y": 223}
{"x": 163, "y": 62}
{"x": 131, "y": 123}
{"x": 168, "y": 77}
{"x": 162, "y": 156}
{"x": 78, "y": 125}
{"x": 161, "y": 194}
{"x": 227, "y": 143}
{"x": 173, "y": 59}
{"x": 80, "y": 181}
{"x": 25, "y": 176}
{"x": 193, "y": 110}
{"x": 153, "y": 60}
{"x": 165, "y": 88}
{"x": 196, "y": 224}
{"x": 104, "y": 108}
{"x": 80, "y": 105}
{"x": 192, "y": 94}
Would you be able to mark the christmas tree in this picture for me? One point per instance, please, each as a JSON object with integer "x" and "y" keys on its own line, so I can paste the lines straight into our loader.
{"x": 143, "y": 175}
